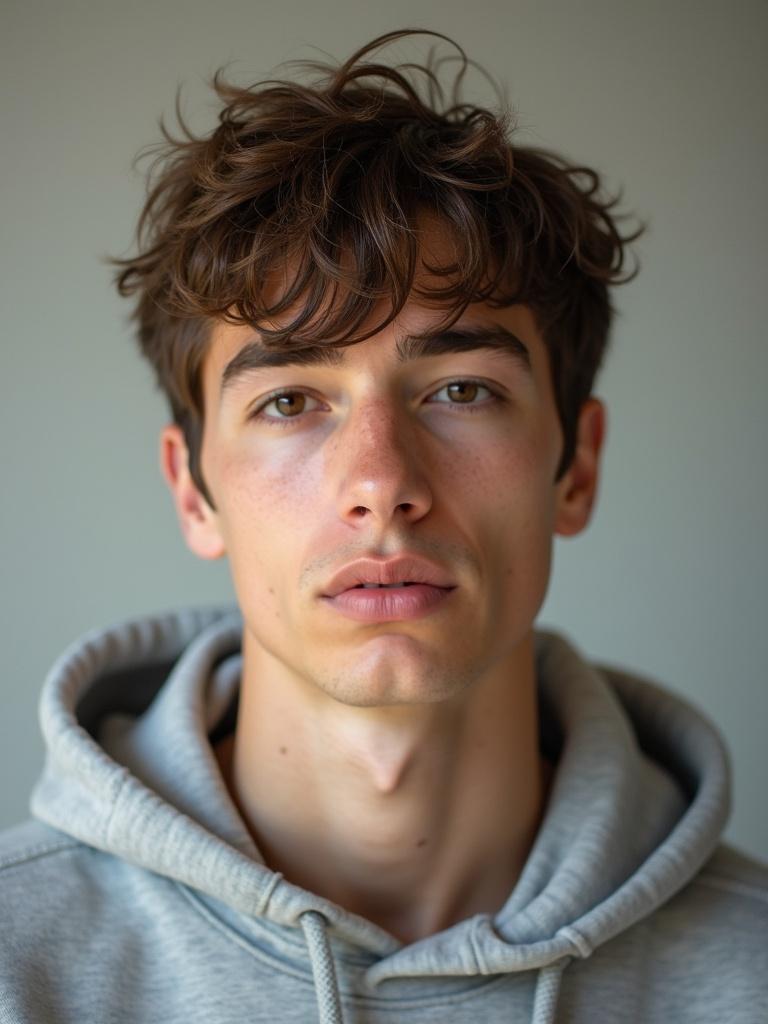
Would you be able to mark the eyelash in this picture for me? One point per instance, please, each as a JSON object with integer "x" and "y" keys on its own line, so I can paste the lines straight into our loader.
{"x": 282, "y": 421}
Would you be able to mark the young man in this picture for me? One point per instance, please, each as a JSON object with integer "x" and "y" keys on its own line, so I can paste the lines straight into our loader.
{"x": 372, "y": 791}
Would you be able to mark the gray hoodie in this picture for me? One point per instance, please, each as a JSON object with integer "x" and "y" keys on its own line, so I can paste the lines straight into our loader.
{"x": 138, "y": 895}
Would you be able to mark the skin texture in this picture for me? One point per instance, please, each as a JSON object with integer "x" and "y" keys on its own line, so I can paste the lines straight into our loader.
{"x": 391, "y": 767}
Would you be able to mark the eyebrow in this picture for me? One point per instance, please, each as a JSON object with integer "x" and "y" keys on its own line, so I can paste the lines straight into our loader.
{"x": 253, "y": 356}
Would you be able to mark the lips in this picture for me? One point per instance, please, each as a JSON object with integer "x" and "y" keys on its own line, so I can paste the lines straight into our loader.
{"x": 403, "y": 569}
{"x": 390, "y": 604}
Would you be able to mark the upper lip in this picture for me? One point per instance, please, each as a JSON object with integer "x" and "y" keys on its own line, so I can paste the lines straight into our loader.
{"x": 405, "y": 568}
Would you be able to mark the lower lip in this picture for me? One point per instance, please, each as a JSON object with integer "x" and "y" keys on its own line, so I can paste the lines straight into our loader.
{"x": 389, "y": 604}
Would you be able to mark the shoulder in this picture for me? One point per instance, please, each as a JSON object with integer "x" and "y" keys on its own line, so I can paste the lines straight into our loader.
{"x": 737, "y": 872}
{"x": 731, "y": 889}
{"x": 700, "y": 957}
{"x": 705, "y": 952}
{"x": 71, "y": 912}
{"x": 31, "y": 847}
{"x": 43, "y": 873}
{"x": 54, "y": 886}
{"x": 727, "y": 899}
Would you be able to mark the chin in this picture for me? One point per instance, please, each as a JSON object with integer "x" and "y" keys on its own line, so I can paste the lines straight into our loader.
{"x": 390, "y": 688}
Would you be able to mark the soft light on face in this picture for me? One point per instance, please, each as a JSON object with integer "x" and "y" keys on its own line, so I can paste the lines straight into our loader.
{"x": 376, "y": 456}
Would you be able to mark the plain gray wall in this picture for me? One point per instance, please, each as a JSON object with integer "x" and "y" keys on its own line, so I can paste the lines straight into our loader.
{"x": 667, "y": 98}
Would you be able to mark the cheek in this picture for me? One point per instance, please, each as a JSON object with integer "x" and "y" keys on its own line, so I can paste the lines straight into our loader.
{"x": 259, "y": 489}
{"x": 511, "y": 480}
{"x": 265, "y": 508}
{"x": 515, "y": 509}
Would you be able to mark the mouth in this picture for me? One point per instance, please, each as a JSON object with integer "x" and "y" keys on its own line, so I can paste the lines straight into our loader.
{"x": 404, "y": 572}
{"x": 383, "y": 586}
{"x": 389, "y": 602}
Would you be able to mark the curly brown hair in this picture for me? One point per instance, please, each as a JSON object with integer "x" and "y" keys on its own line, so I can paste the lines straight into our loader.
{"x": 331, "y": 177}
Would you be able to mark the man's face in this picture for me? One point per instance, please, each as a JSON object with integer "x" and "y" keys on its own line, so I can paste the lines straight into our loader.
{"x": 451, "y": 456}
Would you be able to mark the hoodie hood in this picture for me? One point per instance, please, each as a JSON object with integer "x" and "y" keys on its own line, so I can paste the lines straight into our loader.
{"x": 638, "y": 801}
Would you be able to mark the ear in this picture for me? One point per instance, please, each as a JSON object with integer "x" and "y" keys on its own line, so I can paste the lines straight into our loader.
{"x": 199, "y": 523}
{"x": 577, "y": 490}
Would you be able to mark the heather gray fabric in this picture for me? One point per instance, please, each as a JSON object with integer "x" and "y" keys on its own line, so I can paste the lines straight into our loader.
{"x": 138, "y": 895}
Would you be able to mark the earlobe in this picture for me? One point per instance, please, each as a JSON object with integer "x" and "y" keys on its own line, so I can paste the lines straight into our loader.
{"x": 577, "y": 491}
{"x": 199, "y": 523}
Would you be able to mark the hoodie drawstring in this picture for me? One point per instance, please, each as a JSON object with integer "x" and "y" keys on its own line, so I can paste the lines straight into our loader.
{"x": 327, "y": 986}
{"x": 323, "y": 967}
{"x": 547, "y": 991}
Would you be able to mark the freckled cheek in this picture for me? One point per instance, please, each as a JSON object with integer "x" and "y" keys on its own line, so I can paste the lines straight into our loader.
{"x": 514, "y": 497}
{"x": 513, "y": 472}
{"x": 270, "y": 489}
{"x": 264, "y": 513}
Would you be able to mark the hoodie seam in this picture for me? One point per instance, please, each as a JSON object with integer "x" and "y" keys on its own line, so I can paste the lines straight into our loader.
{"x": 382, "y": 1003}
{"x": 35, "y": 853}
{"x": 480, "y": 963}
{"x": 397, "y": 1004}
{"x": 231, "y": 934}
{"x": 739, "y": 888}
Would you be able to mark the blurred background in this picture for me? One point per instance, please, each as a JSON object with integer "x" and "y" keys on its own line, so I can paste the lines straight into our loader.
{"x": 667, "y": 99}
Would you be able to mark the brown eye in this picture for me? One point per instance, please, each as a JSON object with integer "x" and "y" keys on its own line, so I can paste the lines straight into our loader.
{"x": 291, "y": 403}
{"x": 464, "y": 390}
{"x": 467, "y": 395}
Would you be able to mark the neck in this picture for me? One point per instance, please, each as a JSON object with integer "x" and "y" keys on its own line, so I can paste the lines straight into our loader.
{"x": 413, "y": 816}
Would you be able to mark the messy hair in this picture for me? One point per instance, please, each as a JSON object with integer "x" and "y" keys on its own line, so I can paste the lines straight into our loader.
{"x": 331, "y": 177}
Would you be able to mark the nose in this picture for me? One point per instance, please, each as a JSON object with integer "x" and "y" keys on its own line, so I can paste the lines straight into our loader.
{"x": 380, "y": 468}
